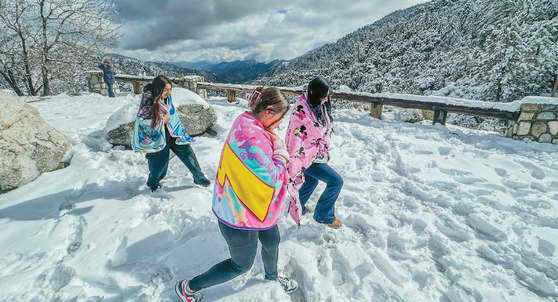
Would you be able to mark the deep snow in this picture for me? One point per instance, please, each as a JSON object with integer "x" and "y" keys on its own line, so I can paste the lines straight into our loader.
{"x": 430, "y": 213}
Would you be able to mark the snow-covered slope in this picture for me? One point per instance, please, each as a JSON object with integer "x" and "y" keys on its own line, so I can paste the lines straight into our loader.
{"x": 430, "y": 214}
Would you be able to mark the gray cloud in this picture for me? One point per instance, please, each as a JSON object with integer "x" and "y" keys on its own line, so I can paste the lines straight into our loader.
{"x": 178, "y": 30}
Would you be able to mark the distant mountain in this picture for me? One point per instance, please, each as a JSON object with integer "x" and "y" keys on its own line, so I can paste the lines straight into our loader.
{"x": 195, "y": 65}
{"x": 241, "y": 71}
{"x": 230, "y": 72}
{"x": 489, "y": 50}
{"x": 131, "y": 66}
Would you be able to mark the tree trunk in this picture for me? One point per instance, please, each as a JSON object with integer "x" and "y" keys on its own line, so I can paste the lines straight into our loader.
{"x": 28, "y": 74}
{"x": 45, "y": 57}
{"x": 12, "y": 81}
{"x": 46, "y": 85}
{"x": 499, "y": 91}
{"x": 554, "y": 88}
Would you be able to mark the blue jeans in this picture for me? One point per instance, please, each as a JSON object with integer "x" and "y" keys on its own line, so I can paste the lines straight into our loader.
{"x": 324, "y": 211}
{"x": 110, "y": 91}
{"x": 243, "y": 245}
{"x": 159, "y": 161}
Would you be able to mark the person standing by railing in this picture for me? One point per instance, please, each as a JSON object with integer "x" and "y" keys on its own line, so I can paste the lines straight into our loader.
{"x": 108, "y": 76}
{"x": 308, "y": 140}
{"x": 158, "y": 129}
{"x": 250, "y": 195}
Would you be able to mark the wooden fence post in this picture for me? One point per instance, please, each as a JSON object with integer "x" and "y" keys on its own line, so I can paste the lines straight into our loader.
{"x": 376, "y": 110}
{"x": 137, "y": 87}
{"x": 555, "y": 86}
{"x": 440, "y": 116}
{"x": 231, "y": 96}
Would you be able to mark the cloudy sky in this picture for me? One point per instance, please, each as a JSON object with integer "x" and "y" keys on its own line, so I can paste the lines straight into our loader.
{"x": 228, "y": 30}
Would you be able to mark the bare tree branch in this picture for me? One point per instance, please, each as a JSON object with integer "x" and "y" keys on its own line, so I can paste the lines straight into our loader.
{"x": 49, "y": 40}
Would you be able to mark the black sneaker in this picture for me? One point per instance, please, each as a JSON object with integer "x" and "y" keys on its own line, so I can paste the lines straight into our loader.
{"x": 184, "y": 295}
{"x": 289, "y": 285}
{"x": 154, "y": 187}
{"x": 203, "y": 182}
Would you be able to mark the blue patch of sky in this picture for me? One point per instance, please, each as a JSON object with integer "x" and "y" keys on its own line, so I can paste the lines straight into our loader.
{"x": 281, "y": 11}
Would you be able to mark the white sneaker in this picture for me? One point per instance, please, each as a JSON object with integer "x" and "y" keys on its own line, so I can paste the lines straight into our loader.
{"x": 289, "y": 285}
{"x": 184, "y": 295}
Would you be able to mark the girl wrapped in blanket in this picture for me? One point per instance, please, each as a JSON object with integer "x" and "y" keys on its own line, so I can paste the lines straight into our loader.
{"x": 250, "y": 195}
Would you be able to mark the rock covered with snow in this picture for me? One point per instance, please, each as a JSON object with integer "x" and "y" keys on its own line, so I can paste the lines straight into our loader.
{"x": 120, "y": 125}
{"x": 344, "y": 89}
{"x": 194, "y": 112}
{"x": 409, "y": 115}
{"x": 29, "y": 146}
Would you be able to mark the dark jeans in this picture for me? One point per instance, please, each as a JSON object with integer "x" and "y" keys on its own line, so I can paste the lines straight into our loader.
{"x": 110, "y": 91}
{"x": 243, "y": 245}
{"x": 324, "y": 211}
{"x": 159, "y": 161}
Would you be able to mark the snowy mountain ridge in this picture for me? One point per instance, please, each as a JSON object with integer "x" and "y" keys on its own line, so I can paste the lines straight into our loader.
{"x": 488, "y": 50}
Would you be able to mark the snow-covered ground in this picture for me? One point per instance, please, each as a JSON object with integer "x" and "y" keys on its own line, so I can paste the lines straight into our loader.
{"x": 430, "y": 213}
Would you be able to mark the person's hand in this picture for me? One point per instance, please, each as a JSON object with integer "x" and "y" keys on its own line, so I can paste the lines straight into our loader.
{"x": 166, "y": 118}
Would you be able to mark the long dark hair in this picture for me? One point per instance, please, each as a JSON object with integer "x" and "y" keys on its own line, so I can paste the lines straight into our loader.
{"x": 152, "y": 94}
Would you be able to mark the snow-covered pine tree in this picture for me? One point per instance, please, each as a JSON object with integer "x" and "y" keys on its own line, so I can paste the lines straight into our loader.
{"x": 489, "y": 50}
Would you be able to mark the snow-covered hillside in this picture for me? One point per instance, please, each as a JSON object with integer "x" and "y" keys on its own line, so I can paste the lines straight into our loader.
{"x": 430, "y": 214}
{"x": 488, "y": 50}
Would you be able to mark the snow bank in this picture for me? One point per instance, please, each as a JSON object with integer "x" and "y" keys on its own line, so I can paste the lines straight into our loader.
{"x": 182, "y": 96}
{"x": 430, "y": 213}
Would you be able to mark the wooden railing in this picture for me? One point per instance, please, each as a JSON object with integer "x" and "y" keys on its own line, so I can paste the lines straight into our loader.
{"x": 440, "y": 105}
{"x": 534, "y": 118}
{"x": 138, "y": 80}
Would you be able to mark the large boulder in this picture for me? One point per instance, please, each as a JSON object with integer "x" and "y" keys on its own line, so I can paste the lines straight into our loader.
{"x": 28, "y": 145}
{"x": 195, "y": 113}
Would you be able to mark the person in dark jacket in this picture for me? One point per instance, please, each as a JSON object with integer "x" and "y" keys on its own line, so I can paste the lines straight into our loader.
{"x": 108, "y": 76}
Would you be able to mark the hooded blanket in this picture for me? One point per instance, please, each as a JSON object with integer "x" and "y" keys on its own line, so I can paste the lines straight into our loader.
{"x": 149, "y": 140}
{"x": 250, "y": 186}
{"x": 306, "y": 140}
